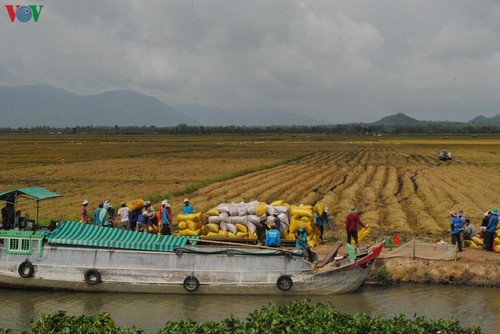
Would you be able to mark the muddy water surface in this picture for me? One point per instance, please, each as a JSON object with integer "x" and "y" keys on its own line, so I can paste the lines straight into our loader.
{"x": 472, "y": 306}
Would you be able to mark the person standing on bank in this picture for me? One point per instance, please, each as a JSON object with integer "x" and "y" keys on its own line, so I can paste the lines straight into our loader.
{"x": 489, "y": 234}
{"x": 352, "y": 222}
{"x": 103, "y": 215}
{"x": 188, "y": 208}
{"x": 124, "y": 214}
{"x": 484, "y": 223}
{"x": 97, "y": 220}
{"x": 457, "y": 226}
{"x": 84, "y": 216}
{"x": 165, "y": 218}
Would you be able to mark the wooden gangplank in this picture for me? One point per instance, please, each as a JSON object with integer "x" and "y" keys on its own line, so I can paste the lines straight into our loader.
{"x": 329, "y": 256}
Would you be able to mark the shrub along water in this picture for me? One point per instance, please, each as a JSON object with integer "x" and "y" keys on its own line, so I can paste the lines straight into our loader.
{"x": 296, "y": 317}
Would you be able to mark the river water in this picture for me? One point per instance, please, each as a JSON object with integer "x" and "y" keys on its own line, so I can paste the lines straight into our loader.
{"x": 472, "y": 306}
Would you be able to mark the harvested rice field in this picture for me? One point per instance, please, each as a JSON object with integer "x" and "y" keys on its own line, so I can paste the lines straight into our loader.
{"x": 398, "y": 183}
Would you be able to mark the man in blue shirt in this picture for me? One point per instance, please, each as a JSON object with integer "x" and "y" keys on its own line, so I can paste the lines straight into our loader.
{"x": 457, "y": 226}
{"x": 97, "y": 220}
{"x": 301, "y": 238}
{"x": 321, "y": 220}
{"x": 165, "y": 218}
{"x": 143, "y": 221}
{"x": 489, "y": 234}
{"x": 187, "y": 209}
{"x": 273, "y": 237}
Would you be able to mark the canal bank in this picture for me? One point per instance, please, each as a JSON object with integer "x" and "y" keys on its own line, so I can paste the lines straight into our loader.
{"x": 472, "y": 267}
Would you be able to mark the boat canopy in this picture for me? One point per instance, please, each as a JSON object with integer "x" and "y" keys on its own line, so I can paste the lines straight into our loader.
{"x": 38, "y": 193}
{"x": 77, "y": 234}
{"x": 31, "y": 193}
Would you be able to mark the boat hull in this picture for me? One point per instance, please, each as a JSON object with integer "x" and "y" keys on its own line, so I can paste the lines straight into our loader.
{"x": 217, "y": 270}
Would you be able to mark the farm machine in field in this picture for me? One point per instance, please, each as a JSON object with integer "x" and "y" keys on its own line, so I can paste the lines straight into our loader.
{"x": 444, "y": 155}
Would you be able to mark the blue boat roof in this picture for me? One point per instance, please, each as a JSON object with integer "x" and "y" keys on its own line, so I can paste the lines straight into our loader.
{"x": 77, "y": 234}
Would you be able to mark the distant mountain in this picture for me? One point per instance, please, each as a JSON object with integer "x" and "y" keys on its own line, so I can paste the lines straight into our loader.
{"x": 485, "y": 120}
{"x": 212, "y": 116}
{"x": 398, "y": 119}
{"x": 28, "y": 106}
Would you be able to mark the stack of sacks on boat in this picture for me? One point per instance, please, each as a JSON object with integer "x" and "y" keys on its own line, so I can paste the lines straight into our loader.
{"x": 478, "y": 242}
{"x": 303, "y": 215}
{"x": 190, "y": 224}
{"x": 240, "y": 220}
{"x": 235, "y": 220}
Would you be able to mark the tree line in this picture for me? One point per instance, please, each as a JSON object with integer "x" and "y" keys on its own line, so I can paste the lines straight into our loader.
{"x": 427, "y": 128}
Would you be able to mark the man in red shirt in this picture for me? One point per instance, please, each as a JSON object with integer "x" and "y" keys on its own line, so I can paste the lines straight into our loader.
{"x": 351, "y": 225}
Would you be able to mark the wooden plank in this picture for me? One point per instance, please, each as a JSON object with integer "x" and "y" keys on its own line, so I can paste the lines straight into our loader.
{"x": 329, "y": 256}
{"x": 242, "y": 241}
{"x": 228, "y": 243}
{"x": 284, "y": 242}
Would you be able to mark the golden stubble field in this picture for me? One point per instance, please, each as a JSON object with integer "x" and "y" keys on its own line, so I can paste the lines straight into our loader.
{"x": 397, "y": 182}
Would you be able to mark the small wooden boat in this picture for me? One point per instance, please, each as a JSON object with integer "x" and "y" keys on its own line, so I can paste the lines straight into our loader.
{"x": 81, "y": 257}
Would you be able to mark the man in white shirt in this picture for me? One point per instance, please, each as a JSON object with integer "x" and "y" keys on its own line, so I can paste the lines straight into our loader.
{"x": 123, "y": 213}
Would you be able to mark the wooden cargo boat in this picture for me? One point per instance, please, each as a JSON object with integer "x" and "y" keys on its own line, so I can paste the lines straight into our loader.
{"x": 80, "y": 257}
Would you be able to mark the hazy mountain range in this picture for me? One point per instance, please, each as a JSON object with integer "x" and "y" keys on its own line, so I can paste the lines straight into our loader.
{"x": 402, "y": 119}
{"x": 45, "y": 105}
{"x": 28, "y": 106}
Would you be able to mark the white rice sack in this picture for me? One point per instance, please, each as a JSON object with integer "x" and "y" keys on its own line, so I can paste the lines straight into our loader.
{"x": 224, "y": 207}
{"x": 233, "y": 211}
{"x": 224, "y": 216}
{"x": 238, "y": 220}
{"x": 284, "y": 218}
{"x": 253, "y": 219}
{"x": 232, "y": 228}
{"x": 281, "y": 208}
{"x": 270, "y": 219}
{"x": 251, "y": 207}
{"x": 242, "y": 210}
{"x": 214, "y": 219}
{"x": 278, "y": 208}
{"x": 283, "y": 227}
{"x": 251, "y": 227}
{"x": 263, "y": 218}
{"x": 223, "y": 226}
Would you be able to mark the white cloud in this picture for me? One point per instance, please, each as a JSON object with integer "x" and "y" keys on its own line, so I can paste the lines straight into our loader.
{"x": 341, "y": 61}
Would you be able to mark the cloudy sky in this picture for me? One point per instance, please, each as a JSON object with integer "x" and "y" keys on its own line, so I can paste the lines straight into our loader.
{"x": 339, "y": 61}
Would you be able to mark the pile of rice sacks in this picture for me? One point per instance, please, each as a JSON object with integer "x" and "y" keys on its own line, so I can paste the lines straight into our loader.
{"x": 478, "y": 242}
{"x": 240, "y": 220}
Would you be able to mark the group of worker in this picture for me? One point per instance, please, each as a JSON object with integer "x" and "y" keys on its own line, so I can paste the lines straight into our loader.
{"x": 140, "y": 219}
{"x": 462, "y": 229}
{"x": 352, "y": 225}
{"x": 146, "y": 217}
